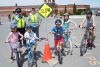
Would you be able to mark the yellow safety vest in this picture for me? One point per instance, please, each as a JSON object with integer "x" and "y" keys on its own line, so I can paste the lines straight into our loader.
{"x": 33, "y": 18}
{"x": 20, "y": 22}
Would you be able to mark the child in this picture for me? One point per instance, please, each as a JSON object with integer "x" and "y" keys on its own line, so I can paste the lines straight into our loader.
{"x": 30, "y": 35}
{"x": 67, "y": 25}
{"x": 67, "y": 22}
{"x": 90, "y": 24}
{"x": 13, "y": 39}
{"x": 58, "y": 30}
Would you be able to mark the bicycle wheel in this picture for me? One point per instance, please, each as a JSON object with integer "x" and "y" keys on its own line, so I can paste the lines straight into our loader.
{"x": 30, "y": 64}
{"x": 83, "y": 50}
{"x": 70, "y": 47}
{"x": 18, "y": 59}
{"x": 30, "y": 58}
{"x": 59, "y": 56}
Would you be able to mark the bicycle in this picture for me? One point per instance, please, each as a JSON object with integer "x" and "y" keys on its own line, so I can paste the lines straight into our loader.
{"x": 58, "y": 51}
{"x": 84, "y": 46}
{"x": 68, "y": 40}
{"x": 31, "y": 56}
{"x": 18, "y": 54}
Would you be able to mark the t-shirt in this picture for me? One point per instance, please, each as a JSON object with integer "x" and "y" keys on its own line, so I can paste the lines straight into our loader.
{"x": 59, "y": 31}
{"x": 31, "y": 35}
{"x": 13, "y": 37}
{"x": 66, "y": 24}
{"x": 89, "y": 23}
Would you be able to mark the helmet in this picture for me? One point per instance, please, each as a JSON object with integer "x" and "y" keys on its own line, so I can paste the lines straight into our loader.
{"x": 66, "y": 14}
{"x": 29, "y": 26}
{"x": 89, "y": 12}
{"x": 32, "y": 42}
{"x": 58, "y": 21}
{"x": 13, "y": 26}
{"x": 18, "y": 10}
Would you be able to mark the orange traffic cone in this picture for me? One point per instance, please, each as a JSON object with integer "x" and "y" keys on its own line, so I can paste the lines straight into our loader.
{"x": 47, "y": 53}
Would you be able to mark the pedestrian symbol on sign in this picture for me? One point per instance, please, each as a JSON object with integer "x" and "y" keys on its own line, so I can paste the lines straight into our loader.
{"x": 45, "y": 10}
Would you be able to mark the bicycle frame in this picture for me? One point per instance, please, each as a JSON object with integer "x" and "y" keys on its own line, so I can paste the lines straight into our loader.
{"x": 89, "y": 39}
{"x": 59, "y": 53}
{"x": 67, "y": 40}
{"x": 30, "y": 55}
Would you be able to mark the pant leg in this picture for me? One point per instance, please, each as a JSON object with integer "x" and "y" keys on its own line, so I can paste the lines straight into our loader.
{"x": 36, "y": 30}
{"x": 22, "y": 31}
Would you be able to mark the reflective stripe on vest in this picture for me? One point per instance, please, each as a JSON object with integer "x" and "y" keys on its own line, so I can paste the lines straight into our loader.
{"x": 33, "y": 18}
{"x": 20, "y": 22}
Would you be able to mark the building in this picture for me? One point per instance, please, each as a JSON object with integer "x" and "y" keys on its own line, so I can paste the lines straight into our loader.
{"x": 5, "y": 10}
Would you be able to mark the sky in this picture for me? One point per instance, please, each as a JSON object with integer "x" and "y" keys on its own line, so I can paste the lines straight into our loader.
{"x": 92, "y": 3}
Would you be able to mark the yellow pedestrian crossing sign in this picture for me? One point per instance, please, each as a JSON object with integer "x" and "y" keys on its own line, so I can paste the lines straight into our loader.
{"x": 45, "y": 10}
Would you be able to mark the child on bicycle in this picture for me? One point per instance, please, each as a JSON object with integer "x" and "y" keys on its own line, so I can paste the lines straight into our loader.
{"x": 58, "y": 30}
{"x": 13, "y": 39}
{"x": 30, "y": 35}
{"x": 67, "y": 23}
{"x": 89, "y": 24}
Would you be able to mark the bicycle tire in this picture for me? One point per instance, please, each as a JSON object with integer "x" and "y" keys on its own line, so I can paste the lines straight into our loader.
{"x": 18, "y": 59}
{"x": 30, "y": 58}
{"x": 30, "y": 64}
{"x": 59, "y": 56}
{"x": 83, "y": 50}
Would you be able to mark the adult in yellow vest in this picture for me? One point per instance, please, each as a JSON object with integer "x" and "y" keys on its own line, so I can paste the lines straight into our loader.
{"x": 20, "y": 21}
{"x": 34, "y": 20}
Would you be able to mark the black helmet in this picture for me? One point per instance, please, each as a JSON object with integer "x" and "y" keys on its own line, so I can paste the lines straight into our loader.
{"x": 18, "y": 10}
{"x": 58, "y": 21}
{"x": 89, "y": 12}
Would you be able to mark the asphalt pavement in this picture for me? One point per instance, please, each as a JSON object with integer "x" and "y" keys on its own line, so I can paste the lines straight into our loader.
{"x": 90, "y": 59}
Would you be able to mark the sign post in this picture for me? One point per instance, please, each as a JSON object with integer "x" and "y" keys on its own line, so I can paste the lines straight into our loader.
{"x": 45, "y": 11}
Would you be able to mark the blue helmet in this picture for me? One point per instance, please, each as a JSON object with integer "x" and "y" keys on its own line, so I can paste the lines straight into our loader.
{"x": 13, "y": 26}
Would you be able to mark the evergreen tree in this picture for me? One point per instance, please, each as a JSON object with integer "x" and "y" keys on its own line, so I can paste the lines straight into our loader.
{"x": 65, "y": 9}
{"x": 74, "y": 8}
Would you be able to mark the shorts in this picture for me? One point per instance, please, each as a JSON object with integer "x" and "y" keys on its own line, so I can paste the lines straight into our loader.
{"x": 14, "y": 45}
{"x": 56, "y": 40}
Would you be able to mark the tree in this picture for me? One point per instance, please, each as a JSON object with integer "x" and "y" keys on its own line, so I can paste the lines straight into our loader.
{"x": 45, "y": 1}
{"x": 88, "y": 9}
{"x": 74, "y": 8}
{"x": 16, "y": 4}
{"x": 65, "y": 9}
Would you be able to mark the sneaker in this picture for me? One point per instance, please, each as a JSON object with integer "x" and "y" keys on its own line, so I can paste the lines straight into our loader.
{"x": 55, "y": 53}
{"x": 63, "y": 53}
{"x": 11, "y": 61}
{"x": 94, "y": 46}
